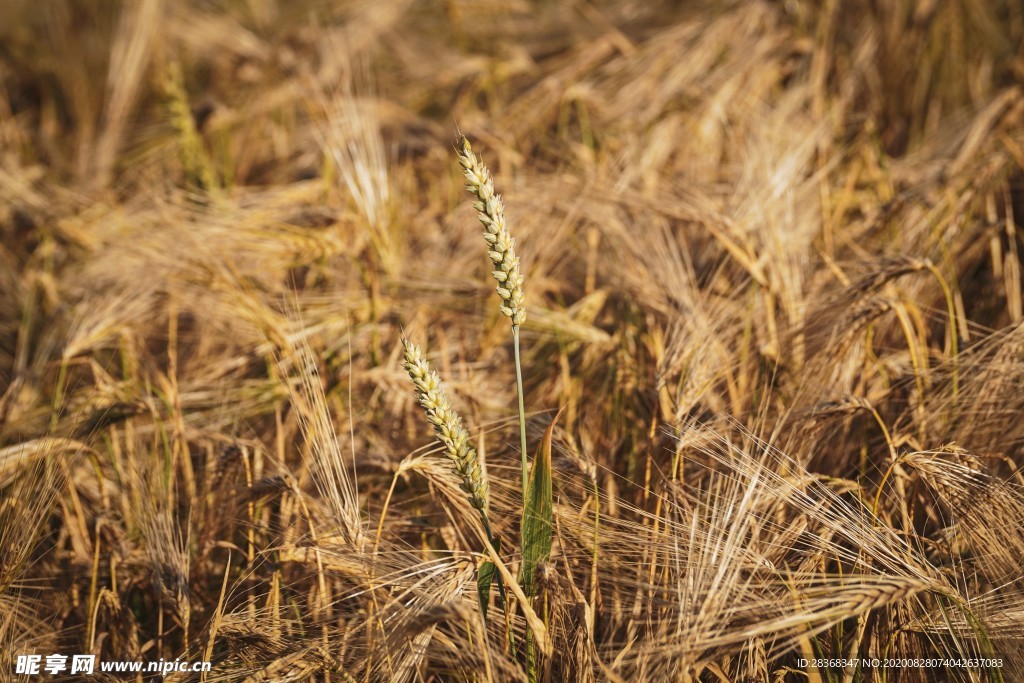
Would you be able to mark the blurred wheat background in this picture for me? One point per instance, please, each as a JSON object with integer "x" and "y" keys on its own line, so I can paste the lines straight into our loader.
{"x": 773, "y": 274}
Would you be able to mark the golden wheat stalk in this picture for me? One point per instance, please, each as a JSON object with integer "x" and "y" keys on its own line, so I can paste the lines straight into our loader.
{"x": 447, "y": 425}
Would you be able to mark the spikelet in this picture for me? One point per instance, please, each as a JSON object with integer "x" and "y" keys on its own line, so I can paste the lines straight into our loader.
{"x": 197, "y": 167}
{"x": 447, "y": 425}
{"x": 500, "y": 245}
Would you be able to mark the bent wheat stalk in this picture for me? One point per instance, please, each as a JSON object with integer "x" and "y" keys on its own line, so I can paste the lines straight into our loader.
{"x": 501, "y": 250}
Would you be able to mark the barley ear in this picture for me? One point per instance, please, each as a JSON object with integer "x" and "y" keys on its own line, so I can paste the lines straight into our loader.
{"x": 447, "y": 425}
{"x": 501, "y": 248}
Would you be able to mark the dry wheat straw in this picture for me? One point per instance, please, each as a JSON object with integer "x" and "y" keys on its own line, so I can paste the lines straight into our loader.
{"x": 447, "y": 424}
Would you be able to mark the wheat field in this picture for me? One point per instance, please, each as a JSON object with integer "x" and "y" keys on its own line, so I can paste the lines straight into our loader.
{"x": 757, "y": 263}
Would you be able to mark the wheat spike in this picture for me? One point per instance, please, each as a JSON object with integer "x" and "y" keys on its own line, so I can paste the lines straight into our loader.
{"x": 447, "y": 424}
{"x": 500, "y": 245}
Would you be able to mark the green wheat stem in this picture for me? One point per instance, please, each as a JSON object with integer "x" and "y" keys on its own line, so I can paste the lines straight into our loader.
{"x": 522, "y": 408}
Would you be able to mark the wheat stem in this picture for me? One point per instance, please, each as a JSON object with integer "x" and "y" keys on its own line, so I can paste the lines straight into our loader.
{"x": 522, "y": 407}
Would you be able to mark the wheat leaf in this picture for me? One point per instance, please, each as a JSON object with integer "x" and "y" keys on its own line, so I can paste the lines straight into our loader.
{"x": 537, "y": 522}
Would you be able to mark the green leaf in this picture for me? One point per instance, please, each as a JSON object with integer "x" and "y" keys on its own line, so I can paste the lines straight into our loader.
{"x": 538, "y": 517}
{"x": 484, "y": 577}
